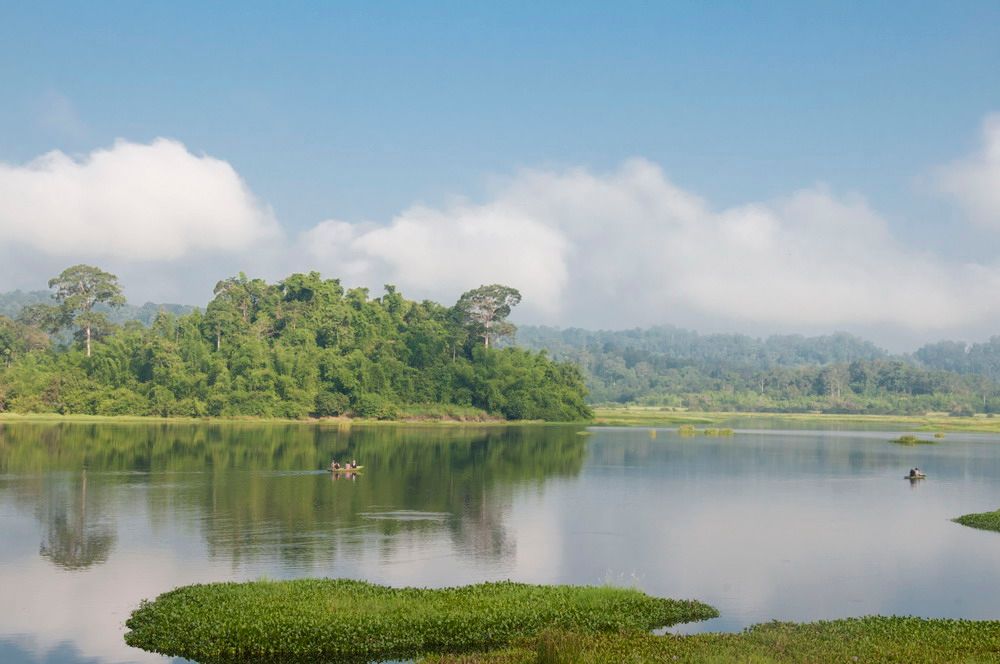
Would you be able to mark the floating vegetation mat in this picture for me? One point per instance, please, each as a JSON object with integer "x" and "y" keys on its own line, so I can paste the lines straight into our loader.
{"x": 982, "y": 520}
{"x": 319, "y": 620}
{"x": 873, "y": 639}
{"x": 911, "y": 440}
{"x": 688, "y": 430}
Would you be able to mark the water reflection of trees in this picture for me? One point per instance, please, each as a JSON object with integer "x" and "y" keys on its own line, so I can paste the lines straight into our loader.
{"x": 76, "y": 533}
{"x": 253, "y": 491}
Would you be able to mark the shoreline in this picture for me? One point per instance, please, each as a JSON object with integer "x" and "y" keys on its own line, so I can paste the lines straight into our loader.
{"x": 636, "y": 416}
{"x": 631, "y": 416}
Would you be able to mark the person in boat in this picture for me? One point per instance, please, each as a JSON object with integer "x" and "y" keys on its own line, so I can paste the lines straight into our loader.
{"x": 334, "y": 465}
{"x": 354, "y": 463}
{"x": 913, "y": 472}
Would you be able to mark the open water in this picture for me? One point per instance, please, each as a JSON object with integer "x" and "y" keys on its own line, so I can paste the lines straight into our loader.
{"x": 791, "y": 525}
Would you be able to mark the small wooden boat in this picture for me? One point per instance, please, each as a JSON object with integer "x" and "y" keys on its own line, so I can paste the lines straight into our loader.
{"x": 921, "y": 476}
{"x": 345, "y": 470}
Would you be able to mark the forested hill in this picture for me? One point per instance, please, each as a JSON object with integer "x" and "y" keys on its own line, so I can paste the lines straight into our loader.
{"x": 835, "y": 373}
{"x": 12, "y": 302}
{"x": 301, "y": 347}
{"x": 680, "y": 347}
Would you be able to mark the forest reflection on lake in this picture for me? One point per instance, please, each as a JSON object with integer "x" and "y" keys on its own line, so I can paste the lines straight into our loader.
{"x": 763, "y": 525}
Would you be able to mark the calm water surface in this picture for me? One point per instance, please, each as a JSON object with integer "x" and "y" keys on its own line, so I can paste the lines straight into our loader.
{"x": 763, "y": 525}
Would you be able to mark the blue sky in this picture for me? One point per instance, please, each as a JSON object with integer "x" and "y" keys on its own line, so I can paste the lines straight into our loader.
{"x": 358, "y": 111}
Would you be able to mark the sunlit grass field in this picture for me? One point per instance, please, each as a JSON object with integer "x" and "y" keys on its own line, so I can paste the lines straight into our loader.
{"x": 648, "y": 416}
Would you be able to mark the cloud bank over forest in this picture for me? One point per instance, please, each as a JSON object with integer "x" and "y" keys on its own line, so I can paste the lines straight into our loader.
{"x": 616, "y": 249}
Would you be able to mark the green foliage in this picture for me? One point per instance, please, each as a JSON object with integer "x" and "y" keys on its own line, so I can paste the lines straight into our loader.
{"x": 302, "y": 347}
{"x": 910, "y": 439}
{"x": 484, "y": 311}
{"x": 312, "y": 619}
{"x": 874, "y": 639}
{"x": 78, "y": 289}
{"x": 982, "y": 520}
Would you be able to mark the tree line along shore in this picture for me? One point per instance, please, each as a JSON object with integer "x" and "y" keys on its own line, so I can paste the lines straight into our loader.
{"x": 306, "y": 347}
{"x": 299, "y": 348}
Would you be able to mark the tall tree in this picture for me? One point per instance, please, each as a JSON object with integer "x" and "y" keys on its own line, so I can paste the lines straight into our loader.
{"x": 79, "y": 288}
{"x": 484, "y": 311}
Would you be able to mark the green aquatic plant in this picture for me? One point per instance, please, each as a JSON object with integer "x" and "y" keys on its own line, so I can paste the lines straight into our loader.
{"x": 689, "y": 430}
{"x": 325, "y": 619}
{"x": 982, "y": 520}
{"x": 869, "y": 639}
{"x": 911, "y": 440}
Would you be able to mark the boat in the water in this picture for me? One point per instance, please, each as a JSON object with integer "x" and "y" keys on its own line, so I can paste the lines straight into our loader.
{"x": 345, "y": 470}
{"x": 915, "y": 477}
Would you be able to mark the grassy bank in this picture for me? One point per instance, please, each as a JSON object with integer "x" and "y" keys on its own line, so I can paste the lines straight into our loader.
{"x": 319, "y": 619}
{"x": 639, "y": 416}
{"x": 982, "y": 520}
{"x": 871, "y": 639}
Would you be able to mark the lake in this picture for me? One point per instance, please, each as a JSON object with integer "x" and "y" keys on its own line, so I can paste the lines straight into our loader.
{"x": 791, "y": 525}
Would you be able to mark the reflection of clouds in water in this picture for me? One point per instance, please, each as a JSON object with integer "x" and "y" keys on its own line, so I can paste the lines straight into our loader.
{"x": 23, "y": 650}
{"x": 732, "y": 524}
{"x": 794, "y": 526}
{"x": 84, "y": 612}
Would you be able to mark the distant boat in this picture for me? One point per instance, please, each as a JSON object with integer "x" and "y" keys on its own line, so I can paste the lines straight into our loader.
{"x": 345, "y": 470}
{"x": 921, "y": 476}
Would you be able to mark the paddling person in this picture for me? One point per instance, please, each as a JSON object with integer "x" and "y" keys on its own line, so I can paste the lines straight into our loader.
{"x": 913, "y": 472}
{"x": 354, "y": 463}
{"x": 336, "y": 466}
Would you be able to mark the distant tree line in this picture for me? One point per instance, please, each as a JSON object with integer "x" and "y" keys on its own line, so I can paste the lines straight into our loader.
{"x": 667, "y": 366}
{"x": 302, "y": 347}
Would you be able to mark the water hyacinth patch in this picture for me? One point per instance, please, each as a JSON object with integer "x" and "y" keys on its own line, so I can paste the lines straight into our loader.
{"x": 982, "y": 520}
{"x": 911, "y": 440}
{"x": 871, "y": 639}
{"x": 338, "y": 619}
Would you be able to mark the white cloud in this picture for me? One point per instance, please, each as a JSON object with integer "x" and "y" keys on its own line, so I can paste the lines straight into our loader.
{"x": 133, "y": 201}
{"x": 975, "y": 180}
{"x": 632, "y": 248}
{"x": 617, "y": 249}
{"x": 436, "y": 252}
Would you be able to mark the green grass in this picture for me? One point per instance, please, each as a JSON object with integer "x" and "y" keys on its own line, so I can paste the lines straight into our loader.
{"x": 872, "y": 639}
{"x": 983, "y": 520}
{"x": 323, "y": 619}
{"x": 646, "y": 416}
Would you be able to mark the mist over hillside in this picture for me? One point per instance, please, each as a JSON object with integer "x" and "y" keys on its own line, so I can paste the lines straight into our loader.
{"x": 839, "y": 372}
{"x": 12, "y": 302}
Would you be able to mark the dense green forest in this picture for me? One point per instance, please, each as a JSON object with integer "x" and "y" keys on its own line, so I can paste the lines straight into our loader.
{"x": 304, "y": 346}
{"x": 308, "y": 347}
{"x": 839, "y": 373}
